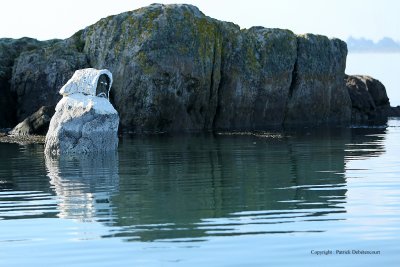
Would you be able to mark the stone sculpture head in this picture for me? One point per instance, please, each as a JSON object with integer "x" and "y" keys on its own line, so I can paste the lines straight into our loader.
{"x": 103, "y": 85}
{"x": 89, "y": 82}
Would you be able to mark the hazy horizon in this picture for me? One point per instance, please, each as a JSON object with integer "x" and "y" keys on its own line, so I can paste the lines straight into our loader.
{"x": 46, "y": 19}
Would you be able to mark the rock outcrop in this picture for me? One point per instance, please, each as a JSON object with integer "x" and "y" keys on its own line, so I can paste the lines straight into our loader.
{"x": 35, "y": 124}
{"x": 165, "y": 61}
{"x": 256, "y": 74}
{"x": 39, "y": 74}
{"x": 369, "y": 99}
{"x": 318, "y": 94}
{"x": 10, "y": 50}
{"x": 82, "y": 123}
{"x": 176, "y": 69}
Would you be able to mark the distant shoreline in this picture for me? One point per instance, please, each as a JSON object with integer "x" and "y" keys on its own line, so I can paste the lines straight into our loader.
{"x": 363, "y": 45}
{"x": 373, "y": 52}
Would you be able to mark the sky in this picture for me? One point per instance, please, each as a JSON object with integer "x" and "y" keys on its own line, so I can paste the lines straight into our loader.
{"x": 372, "y": 19}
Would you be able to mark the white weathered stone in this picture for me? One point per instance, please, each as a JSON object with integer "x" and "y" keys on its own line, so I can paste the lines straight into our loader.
{"x": 85, "y": 81}
{"x": 82, "y": 122}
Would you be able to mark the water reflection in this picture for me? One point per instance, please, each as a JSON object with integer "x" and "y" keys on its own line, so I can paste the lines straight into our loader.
{"x": 191, "y": 187}
{"x": 24, "y": 187}
{"x": 22, "y": 168}
{"x": 194, "y": 186}
{"x": 366, "y": 142}
{"x": 83, "y": 184}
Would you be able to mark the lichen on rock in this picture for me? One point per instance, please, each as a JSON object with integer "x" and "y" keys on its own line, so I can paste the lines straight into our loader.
{"x": 38, "y": 75}
{"x": 256, "y": 74}
{"x": 318, "y": 94}
{"x": 178, "y": 70}
{"x": 166, "y": 65}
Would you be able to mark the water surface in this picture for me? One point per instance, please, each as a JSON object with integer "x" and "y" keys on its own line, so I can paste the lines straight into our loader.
{"x": 206, "y": 200}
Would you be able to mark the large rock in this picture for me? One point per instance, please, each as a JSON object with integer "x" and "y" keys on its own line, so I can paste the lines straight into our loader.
{"x": 369, "y": 99}
{"x": 257, "y": 66}
{"x": 40, "y": 73}
{"x": 166, "y": 65}
{"x": 377, "y": 91}
{"x": 393, "y": 111}
{"x": 35, "y": 124}
{"x": 10, "y": 49}
{"x": 176, "y": 69}
{"x": 82, "y": 122}
{"x": 318, "y": 93}
{"x": 179, "y": 70}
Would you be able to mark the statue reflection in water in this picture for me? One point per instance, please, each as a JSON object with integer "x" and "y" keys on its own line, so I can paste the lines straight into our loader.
{"x": 84, "y": 184}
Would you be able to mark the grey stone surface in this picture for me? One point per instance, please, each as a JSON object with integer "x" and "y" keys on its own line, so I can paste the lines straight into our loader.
{"x": 369, "y": 99}
{"x": 82, "y": 124}
{"x": 10, "y": 49}
{"x": 166, "y": 65}
{"x": 177, "y": 70}
{"x": 256, "y": 74}
{"x": 39, "y": 74}
{"x": 35, "y": 124}
{"x": 318, "y": 94}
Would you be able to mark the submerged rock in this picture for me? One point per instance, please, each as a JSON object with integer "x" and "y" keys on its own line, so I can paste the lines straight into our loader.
{"x": 83, "y": 123}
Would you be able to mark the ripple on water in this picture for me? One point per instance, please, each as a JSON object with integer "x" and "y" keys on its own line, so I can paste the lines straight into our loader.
{"x": 163, "y": 200}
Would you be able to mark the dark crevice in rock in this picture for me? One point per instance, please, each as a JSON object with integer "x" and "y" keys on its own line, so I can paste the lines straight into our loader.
{"x": 294, "y": 79}
{"x": 189, "y": 108}
{"x": 292, "y": 83}
{"x": 211, "y": 89}
{"x": 217, "y": 111}
{"x": 213, "y": 111}
{"x": 8, "y": 101}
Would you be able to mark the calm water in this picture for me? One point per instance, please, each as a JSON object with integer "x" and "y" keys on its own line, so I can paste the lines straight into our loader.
{"x": 206, "y": 201}
{"x": 382, "y": 66}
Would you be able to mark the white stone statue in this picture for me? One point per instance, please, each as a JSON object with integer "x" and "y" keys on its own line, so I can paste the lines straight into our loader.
{"x": 84, "y": 121}
{"x": 89, "y": 82}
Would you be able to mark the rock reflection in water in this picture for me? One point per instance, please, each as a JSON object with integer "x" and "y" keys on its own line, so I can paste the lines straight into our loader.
{"x": 83, "y": 184}
{"x": 193, "y": 186}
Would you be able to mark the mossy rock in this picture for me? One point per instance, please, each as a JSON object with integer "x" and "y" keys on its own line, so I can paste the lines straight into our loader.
{"x": 175, "y": 69}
